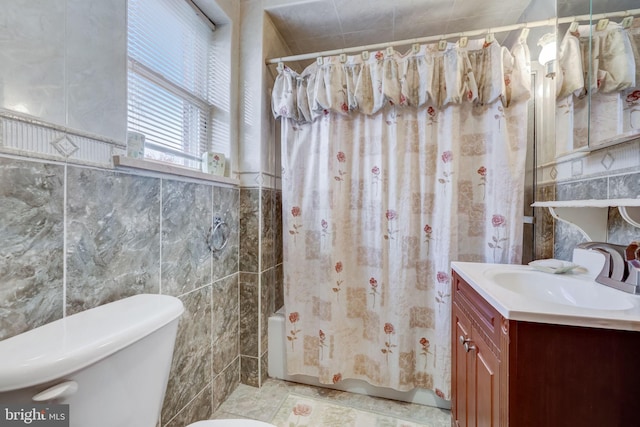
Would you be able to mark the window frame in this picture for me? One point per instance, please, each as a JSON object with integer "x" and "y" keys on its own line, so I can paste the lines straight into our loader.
{"x": 190, "y": 156}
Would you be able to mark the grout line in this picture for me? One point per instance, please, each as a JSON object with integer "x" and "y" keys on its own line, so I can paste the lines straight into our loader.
{"x": 279, "y": 405}
{"x": 211, "y": 375}
{"x": 184, "y": 408}
{"x": 259, "y": 326}
{"x": 207, "y": 285}
{"x": 64, "y": 242}
{"x": 235, "y": 359}
{"x": 256, "y": 394}
{"x": 239, "y": 309}
{"x": 211, "y": 220}
{"x": 160, "y": 239}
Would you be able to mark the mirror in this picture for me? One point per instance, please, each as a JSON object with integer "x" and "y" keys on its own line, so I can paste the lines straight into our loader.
{"x": 615, "y": 108}
{"x": 597, "y": 80}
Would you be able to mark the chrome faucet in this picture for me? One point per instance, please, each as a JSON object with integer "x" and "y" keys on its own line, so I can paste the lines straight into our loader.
{"x": 632, "y": 255}
{"x": 621, "y": 269}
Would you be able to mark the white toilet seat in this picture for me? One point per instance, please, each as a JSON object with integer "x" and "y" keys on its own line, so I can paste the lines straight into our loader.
{"x": 230, "y": 423}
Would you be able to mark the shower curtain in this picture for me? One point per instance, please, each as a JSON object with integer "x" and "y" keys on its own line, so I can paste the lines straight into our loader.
{"x": 392, "y": 167}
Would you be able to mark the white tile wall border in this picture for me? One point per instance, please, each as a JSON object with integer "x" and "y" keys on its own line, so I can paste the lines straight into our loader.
{"x": 23, "y": 135}
{"x": 259, "y": 179}
{"x": 32, "y": 138}
{"x": 613, "y": 160}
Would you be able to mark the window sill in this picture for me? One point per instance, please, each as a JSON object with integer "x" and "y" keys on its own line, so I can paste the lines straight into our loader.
{"x": 124, "y": 162}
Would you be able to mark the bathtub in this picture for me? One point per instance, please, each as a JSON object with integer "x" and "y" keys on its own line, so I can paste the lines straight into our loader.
{"x": 277, "y": 368}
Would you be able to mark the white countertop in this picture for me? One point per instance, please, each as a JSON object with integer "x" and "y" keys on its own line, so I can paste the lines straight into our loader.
{"x": 515, "y": 306}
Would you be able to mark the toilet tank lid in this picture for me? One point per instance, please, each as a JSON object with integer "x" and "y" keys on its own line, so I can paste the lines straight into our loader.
{"x": 74, "y": 342}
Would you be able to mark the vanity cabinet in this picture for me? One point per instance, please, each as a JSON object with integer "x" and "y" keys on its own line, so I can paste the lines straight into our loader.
{"x": 527, "y": 374}
{"x": 476, "y": 360}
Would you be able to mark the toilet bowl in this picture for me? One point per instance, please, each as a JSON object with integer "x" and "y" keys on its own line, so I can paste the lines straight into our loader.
{"x": 230, "y": 423}
{"x": 115, "y": 356}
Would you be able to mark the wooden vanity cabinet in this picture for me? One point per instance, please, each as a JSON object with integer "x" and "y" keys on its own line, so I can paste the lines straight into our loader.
{"x": 476, "y": 359}
{"x": 527, "y": 374}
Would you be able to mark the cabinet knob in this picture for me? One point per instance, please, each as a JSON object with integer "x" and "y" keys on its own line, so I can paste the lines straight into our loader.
{"x": 468, "y": 347}
{"x": 463, "y": 340}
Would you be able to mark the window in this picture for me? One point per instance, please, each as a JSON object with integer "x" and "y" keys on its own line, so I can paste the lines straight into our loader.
{"x": 170, "y": 55}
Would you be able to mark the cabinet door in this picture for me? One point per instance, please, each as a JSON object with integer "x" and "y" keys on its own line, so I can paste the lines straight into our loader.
{"x": 487, "y": 382}
{"x": 460, "y": 374}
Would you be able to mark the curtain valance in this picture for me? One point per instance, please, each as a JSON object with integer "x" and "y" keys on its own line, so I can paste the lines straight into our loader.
{"x": 479, "y": 73}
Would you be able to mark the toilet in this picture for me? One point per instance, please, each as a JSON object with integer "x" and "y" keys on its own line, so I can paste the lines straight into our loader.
{"x": 116, "y": 356}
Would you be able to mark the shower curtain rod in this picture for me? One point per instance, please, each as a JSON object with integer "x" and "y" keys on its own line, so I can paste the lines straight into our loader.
{"x": 472, "y": 33}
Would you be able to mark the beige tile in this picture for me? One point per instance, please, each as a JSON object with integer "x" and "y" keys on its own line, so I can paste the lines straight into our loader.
{"x": 309, "y": 411}
{"x": 268, "y": 403}
{"x": 219, "y": 415}
{"x": 254, "y": 403}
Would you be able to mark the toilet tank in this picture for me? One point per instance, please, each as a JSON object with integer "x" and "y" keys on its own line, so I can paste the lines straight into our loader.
{"x": 110, "y": 364}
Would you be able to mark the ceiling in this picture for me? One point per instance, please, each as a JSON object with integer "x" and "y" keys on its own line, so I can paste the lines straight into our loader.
{"x": 318, "y": 25}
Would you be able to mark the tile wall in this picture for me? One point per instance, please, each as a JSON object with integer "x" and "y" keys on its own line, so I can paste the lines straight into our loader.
{"x": 74, "y": 232}
{"x": 77, "y": 234}
{"x": 260, "y": 196}
{"x": 260, "y": 276}
{"x": 76, "y": 237}
{"x": 118, "y": 233}
{"x": 48, "y": 72}
{"x": 608, "y": 173}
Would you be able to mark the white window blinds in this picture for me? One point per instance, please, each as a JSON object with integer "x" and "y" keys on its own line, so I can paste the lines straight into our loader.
{"x": 170, "y": 49}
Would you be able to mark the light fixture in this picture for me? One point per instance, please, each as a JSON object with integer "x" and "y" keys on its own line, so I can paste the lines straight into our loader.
{"x": 547, "y": 57}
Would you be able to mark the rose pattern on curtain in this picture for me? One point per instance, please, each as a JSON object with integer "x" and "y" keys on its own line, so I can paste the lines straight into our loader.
{"x": 392, "y": 168}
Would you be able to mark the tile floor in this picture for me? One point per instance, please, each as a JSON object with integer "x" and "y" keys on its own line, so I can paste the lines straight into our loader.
{"x": 263, "y": 404}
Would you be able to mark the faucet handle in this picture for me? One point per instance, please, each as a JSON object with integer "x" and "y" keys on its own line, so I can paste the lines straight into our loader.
{"x": 606, "y": 268}
{"x": 616, "y": 267}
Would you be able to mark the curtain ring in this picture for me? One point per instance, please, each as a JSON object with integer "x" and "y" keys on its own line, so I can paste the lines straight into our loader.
{"x": 218, "y": 227}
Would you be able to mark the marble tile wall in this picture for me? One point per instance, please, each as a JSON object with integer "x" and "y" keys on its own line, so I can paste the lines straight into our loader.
{"x": 249, "y": 300}
{"x": 261, "y": 280}
{"x": 562, "y": 237}
{"x": 267, "y": 229}
{"x": 113, "y": 242}
{"x": 258, "y": 167}
{"x": 267, "y": 291}
{"x": 252, "y": 221}
{"x": 31, "y": 245}
{"x": 278, "y": 297}
{"x": 118, "y": 234}
{"x": 249, "y": 229}
{"x": 192, "y": 362}
{"x": 125, "y": 234}
{"x": 544, "y": 225}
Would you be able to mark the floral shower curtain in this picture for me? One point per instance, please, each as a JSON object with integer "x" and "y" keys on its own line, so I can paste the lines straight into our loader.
{"x": 394, "y": 166}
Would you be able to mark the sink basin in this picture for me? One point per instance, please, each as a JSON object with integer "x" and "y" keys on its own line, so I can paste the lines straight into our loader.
{"x": 560, "y": 289}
